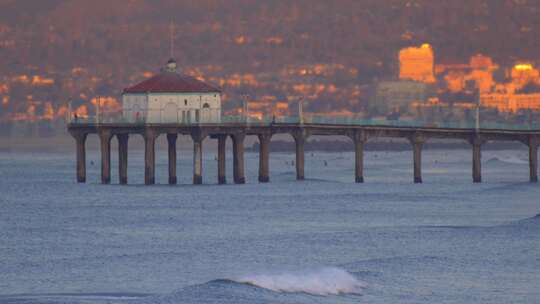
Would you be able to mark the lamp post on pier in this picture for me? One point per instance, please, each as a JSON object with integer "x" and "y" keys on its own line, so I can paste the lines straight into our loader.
{"x": 245, "y": 106}
{"x": 69, "y": 112}
{"x": 301, "y": 110}
{"x": 98, "y": 110}
{"x": 477, "y": 116}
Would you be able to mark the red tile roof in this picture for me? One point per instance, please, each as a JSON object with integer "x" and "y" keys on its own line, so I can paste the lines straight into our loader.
{"x": 171, "y": 82}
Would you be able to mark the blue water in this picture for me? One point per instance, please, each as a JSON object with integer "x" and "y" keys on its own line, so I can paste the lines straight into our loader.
{"x": 323, "y": 240}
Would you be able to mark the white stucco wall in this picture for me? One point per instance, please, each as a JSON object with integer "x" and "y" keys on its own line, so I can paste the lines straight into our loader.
{"x": 172, "y": 107}
{"x": 134, "y": 107}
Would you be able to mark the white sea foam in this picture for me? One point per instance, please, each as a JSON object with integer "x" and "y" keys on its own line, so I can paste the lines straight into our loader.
{"x": 323, "y": 282}
{"x": 509, "y": 160}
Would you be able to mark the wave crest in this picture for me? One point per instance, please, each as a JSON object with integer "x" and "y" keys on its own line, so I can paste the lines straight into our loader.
{"x": 509, "y": 160}
{"x": 321, "y": 282}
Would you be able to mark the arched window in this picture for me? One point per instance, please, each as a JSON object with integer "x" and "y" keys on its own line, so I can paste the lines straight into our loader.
{"x": 185, "y": 102}
{"x": 206, "y": 106}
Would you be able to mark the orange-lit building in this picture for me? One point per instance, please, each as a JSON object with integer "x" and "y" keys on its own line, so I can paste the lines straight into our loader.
{"x": 504, "y": 97}
{"x": 507, "y": 102}
{"x": 482, "y": 62}
{"x": 417, "y": 63}
{"x": 524, "y": 73}
{"x": 479, "y": 70}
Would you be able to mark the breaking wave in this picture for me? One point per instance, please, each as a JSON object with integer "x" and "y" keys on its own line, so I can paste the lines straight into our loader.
{"x": 509, "y": 160}
{"x": 322, "y": 282}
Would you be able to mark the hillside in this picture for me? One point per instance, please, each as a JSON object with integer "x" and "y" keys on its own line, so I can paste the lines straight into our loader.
{"x": 114, "y": 42}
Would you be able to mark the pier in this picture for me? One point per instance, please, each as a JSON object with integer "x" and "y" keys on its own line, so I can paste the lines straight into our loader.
{"x": 300, "y": 131}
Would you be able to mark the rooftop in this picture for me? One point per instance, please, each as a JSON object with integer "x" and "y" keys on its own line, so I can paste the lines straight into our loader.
{"x": 170, "y": 81}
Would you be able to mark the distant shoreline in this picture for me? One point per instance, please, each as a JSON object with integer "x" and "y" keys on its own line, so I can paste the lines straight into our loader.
{"x": 37, "y": 144}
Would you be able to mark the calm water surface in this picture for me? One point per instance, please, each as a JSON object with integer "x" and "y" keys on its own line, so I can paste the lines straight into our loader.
{"x": 323, "y": 240}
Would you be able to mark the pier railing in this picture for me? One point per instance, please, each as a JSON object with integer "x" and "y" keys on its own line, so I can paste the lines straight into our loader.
{"x": 118, "y": 118}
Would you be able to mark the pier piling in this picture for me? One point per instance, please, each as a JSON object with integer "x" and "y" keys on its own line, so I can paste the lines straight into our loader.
{"x": 417, "y": 151}
{"x": 533, "y": 159}
{"x": 264, "y": 158}
{"x": 122, "y": 158}
{"x": 171, "y": 140}
{"x": 197, "y": 157}
{"x": 417, "y": 142}
{"x": 149, "y": 157}
{"x": 105, "y": 141}
{"x": 299, "y": 139}
{"x": 80, "y": 139}
{"x": 222, "y": 145}
{"x": 238, "y": 158}
{"x": 477, "y": 159}
{"x": 359, "y": 140}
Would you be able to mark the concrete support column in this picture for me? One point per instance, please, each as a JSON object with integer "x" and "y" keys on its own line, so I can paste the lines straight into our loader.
{"x": 359, "y": 140}
{"x": 533, "y": 160}
{"x": 171, "y": 139}
{"x": 149, "y": 157}
{"x": 222, "y": 144}
{"x": 417, "y": 141}
{"x": 238, "y": 158}
{"x": 477, "y": 160}
{"x": 105, "y": 141}
{"x": 122, "y": 158}
{"x": 417, "y": 155}
{"x": 300, "y": 139}
{"x": 264, "y": 158}
{"x": 197, "y": 157}
{"x": 80, "y": 139}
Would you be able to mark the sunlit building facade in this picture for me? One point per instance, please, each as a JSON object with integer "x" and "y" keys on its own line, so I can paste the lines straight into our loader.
{"x": 417, "y": 63}
{"x": 511, "y": 103}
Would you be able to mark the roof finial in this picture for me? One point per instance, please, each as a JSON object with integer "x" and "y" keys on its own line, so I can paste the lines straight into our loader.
{"x": 171, "y": 66}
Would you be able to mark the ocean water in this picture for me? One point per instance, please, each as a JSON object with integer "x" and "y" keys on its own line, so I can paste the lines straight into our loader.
{"x": 322, "y": 240}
